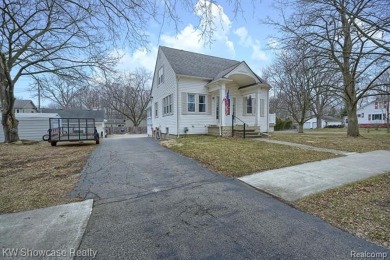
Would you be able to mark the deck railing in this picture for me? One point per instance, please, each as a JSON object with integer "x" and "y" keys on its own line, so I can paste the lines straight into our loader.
{"x": 233, "y": 118}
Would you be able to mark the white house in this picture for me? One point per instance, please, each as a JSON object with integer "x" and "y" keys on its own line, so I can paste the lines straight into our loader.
{"x": 373, "y": 113}
{"x": 189, "y": 92}
{"x": 326, "y": 121}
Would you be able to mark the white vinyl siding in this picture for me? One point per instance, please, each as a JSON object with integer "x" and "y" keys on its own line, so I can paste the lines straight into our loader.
{"x": 373, "y": 113}
{"x": 161, "y": 91}
{"x": 262, "y": 107}
{"x": 196, "y": 122}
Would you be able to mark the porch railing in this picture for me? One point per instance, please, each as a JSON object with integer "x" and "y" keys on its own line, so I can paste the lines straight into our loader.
{"x": 234, "y": 117}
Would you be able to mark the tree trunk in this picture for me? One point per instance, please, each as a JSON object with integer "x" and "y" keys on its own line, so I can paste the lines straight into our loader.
{"x": 319, "y": 121}
{"x": 300, "y": 128}
{"x": 387, "y": 113}
{"x": 353, "y": 125}
{"x": 10, "y": 127}
{"x": 8, "y": 119}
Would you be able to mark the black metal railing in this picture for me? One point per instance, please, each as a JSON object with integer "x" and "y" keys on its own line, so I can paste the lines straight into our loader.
{"x": 234, "y": 117}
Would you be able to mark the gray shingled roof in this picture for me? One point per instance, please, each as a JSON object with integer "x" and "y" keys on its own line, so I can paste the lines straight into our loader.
{"x": 22, "y": 103}
{"x": 77, "y": 113}
{"x": 196, "y": 64}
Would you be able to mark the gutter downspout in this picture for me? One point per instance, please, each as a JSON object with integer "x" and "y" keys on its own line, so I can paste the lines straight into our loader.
{"x": 177, "y": 106}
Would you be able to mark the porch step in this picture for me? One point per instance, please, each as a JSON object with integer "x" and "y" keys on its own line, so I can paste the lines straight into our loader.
{"x": 249, "y": 133}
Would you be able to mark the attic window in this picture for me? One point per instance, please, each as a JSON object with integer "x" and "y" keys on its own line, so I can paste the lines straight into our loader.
{"x": 161, "y": 75}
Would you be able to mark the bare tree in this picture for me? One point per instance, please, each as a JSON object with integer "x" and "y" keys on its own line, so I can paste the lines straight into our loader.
{"x": 75, "y": 38}
{"x": 90, "y": 98}
{"x": 59, "y": 90}
{"x": 290, "y": 73}
{"x": 350, "y": 34}
{"x": 324, "y": 81}
{"x": 129, "y": 95}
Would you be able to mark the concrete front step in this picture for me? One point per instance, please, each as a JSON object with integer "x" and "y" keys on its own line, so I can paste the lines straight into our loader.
{"x": 248, "y": 133}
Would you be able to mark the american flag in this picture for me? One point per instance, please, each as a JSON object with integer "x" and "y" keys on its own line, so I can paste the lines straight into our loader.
{"x": 227, "y": 104}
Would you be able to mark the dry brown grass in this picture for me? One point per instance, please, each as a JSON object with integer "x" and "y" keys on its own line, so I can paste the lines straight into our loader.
{"x": 239, "y": 157}
{"x": 337, "y": 139}
{"x": 39, "y": 175}
{"x": 362, "y": 208}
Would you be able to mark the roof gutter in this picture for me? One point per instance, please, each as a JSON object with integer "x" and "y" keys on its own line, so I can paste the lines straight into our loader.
{"x": 194, "y": 77}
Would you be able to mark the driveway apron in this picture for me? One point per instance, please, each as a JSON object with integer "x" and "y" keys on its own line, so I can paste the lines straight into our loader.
{"x": 152, "y": 203}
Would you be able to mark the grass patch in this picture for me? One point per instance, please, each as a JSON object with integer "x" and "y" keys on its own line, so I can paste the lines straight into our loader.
{"x": 239, "y": 157}
{"x": 362, "y": 208}
{"x": 338, "y": 139}
{"x": 39, "y": 175}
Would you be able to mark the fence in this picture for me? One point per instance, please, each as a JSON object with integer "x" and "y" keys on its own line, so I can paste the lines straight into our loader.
{"x": 125, "y": 130}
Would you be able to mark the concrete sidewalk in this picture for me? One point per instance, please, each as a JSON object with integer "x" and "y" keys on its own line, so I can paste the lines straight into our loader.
{"x": 307, "y": 147}
{"x": 295, "y": 182}
{"x": 47, "y": 233}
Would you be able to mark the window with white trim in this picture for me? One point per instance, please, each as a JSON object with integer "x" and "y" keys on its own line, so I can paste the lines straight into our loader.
{"x": 376, "y": 116}
{"x": 191, "y": 102}
{"x": 156, "y": 109}
{"x": 202, "y": 104}
{"x": 167, "y": 105}
{"x": 249, "y": 105}
{"x": 149, "y": 112}
{"x": 161, "y": 75}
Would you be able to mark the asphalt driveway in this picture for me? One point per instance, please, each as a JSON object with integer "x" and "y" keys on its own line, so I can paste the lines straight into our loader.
{"x": 151, "y": 203}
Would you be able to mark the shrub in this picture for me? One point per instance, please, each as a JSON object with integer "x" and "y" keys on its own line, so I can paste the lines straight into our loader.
{"x": 282, "y": 124}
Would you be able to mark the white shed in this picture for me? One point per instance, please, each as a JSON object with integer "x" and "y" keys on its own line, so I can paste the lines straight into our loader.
{"x": 325, "y": 122}
{"x": 32, "y": 126}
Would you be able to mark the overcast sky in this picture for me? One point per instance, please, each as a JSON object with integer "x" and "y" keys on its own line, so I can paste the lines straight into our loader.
{"x": 240, "y": 37}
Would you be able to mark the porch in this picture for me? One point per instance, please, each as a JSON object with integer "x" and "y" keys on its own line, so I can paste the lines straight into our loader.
{"x": 243, "y": 94}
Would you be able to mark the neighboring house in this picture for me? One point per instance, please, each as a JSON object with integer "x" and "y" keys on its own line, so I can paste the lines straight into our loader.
{"x": 115, "y": 126}
{"x": 25, "y": 106}
{"x": 189, "y": 90}
{"x": 32, "y": 126}
{"x": 98, "y": 115}
{"x": 373, "y": 114}
{"x": 120, "y": 126}
{"x": 326, "y": 121}
{"x": 129, "y": 123}
{"x": 115, "y": 122}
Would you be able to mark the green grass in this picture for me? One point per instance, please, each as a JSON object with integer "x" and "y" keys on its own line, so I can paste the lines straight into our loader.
{"x": 362, "y": 208}
{"x": 370, "y": 139}
{"x": 239, "y": 157}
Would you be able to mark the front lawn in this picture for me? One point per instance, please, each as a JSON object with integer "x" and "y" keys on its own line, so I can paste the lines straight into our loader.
{"x": 362, "y": 208}
{"x": 39, "y": 175}
{"x": 370, "y": 139}
{"x": 239, "y": 157}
